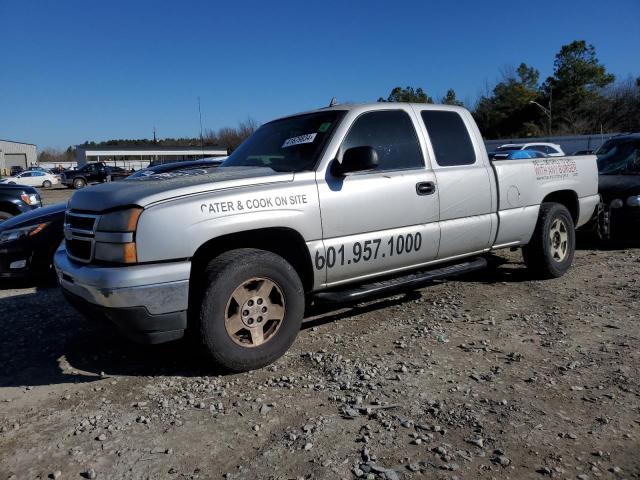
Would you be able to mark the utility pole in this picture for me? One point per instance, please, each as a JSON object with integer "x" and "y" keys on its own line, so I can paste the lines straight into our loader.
{"x": 201, "y": 139}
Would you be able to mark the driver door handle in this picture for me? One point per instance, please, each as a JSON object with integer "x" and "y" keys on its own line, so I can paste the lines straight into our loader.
{"x": 425, "y": 188}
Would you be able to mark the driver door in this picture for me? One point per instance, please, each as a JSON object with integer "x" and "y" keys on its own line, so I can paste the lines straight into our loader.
{"x": 379, "y": 221}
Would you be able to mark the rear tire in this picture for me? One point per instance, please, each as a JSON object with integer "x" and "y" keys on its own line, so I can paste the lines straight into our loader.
{"x": 251, "y": 309}
{"x": 550, "y": 252}
{"x": 79, "y": 183}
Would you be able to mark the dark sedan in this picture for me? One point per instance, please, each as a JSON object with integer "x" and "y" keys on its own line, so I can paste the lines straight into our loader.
{"x": 619, "y": 185}
{"x": 17, "y": 199}
{"x": 28, "y": 241}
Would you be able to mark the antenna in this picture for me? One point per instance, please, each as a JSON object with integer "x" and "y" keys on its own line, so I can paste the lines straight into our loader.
{"x": 154, "y": 135}
{"x": 200, "y": 114}
{"x": 333, "y": 102}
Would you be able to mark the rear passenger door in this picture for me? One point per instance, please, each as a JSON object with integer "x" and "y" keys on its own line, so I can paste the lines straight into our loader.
{"x": 378, "y": 221}
{"x": 464, "y": 183}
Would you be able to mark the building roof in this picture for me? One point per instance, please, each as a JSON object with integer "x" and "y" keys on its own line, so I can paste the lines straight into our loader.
{"x": 21, "y": 143}
{"x": 112, "y": 151}
{"x": 155, "y": 148}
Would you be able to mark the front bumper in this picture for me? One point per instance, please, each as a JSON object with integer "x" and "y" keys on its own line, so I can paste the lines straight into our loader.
{"x": 624, "y": 222}
{"x": 19, "y": 261}
{"x": 148, "y": 303}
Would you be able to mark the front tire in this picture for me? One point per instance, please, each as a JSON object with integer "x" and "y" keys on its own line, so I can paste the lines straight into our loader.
{"x": 251, "y": 309}
{"x": 79, "y": 183}
{"x": 46, "y": 184}
{"x": 552, "y": 247}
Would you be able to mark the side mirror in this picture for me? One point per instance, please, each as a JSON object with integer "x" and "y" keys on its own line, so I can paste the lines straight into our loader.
{"x": 356, "y": 159}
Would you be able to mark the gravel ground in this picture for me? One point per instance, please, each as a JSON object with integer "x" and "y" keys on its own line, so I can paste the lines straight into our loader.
{"x": 488, "y": 376}
{"x": 55, "y": 194}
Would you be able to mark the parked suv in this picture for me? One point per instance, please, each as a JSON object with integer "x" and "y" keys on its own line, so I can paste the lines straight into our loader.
{"x": 15, "y": 170}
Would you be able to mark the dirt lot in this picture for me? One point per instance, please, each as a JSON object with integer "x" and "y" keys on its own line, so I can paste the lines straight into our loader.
{"x": 55, "y": 194}
{"x": 488, "y": 376}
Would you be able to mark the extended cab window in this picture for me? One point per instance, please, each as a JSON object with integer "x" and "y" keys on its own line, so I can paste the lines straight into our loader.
{"x": 449, "y": 137}
{"x": 392, "y": 135}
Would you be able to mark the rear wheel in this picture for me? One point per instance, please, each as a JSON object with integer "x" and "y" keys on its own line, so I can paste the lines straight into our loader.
{"x": 79, "y": 183}
{"x": 552, "y": 247}
{"x": 251, "y": 309}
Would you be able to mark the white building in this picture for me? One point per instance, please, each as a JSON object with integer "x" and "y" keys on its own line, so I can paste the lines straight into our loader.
{"x": 140, "y": 157}
{"x": 16, "y": 154}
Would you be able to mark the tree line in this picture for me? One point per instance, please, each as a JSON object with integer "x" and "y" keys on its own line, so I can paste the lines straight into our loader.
{"x": 225, "y": 137}
{"x": 579, "y": 97}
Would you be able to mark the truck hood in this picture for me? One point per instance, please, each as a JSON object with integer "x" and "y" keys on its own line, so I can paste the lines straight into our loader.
{"x": 144, "y": 191}
{"x": 618, "y": 186}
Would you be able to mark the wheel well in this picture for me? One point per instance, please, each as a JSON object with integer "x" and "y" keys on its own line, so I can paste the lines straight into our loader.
{"x": 569, "y": 199}
{"x": 9, "y": 208}
{"x": 285, "y": 242}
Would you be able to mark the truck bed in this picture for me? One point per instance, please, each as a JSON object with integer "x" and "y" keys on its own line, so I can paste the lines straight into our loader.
{"x": 524, "y": 184}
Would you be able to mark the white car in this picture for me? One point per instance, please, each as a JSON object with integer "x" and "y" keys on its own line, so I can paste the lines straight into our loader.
{"x": 34, "y": 178}
{"x": 551, "y": 149}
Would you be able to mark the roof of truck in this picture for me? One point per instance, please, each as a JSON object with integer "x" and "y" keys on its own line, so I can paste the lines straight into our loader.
{"x": 377, "y": 106}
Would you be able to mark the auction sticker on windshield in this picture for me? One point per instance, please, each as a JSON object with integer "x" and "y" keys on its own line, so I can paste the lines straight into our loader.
{"x": 308, "y": 138}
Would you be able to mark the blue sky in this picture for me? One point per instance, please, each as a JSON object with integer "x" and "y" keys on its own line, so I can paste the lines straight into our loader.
{"x": 76, "y": 70}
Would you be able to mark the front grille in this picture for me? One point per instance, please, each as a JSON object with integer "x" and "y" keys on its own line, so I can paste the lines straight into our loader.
{"x": 79, "y": 249}
{"x": 79, "y": 234}
{"x": 76, "y": 222}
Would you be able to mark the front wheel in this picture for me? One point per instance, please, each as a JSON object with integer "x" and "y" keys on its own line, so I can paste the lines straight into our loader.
{"x": 79, "y": 183}
{"x": 552, "y": 247}
{"x": 46, "y": 184}
{"x": 251, "y": 309}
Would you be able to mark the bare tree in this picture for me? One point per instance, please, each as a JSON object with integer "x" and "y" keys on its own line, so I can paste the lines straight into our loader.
{"x": 232, "y": 137}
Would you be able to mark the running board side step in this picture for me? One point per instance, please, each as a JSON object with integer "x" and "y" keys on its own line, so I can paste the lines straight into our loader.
{"x": 406, "y": 282}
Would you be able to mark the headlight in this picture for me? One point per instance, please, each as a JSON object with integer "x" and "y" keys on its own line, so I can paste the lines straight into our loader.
{"x": 616, "y": 203}
{"x": 18, "y": 233}
{"x": 32, "y": 199}
{"x": 115, "y": 236}
{"x": 634, "y": 201}
{"x": 120, "y": 221}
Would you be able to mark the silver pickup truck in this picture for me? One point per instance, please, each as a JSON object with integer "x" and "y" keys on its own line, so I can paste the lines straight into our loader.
{"x": 333, "y": 205}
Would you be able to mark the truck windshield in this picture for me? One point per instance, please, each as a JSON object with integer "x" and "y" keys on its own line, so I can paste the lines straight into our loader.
{"x": 619, "y": 157}
{"x": 291, "y": 144}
